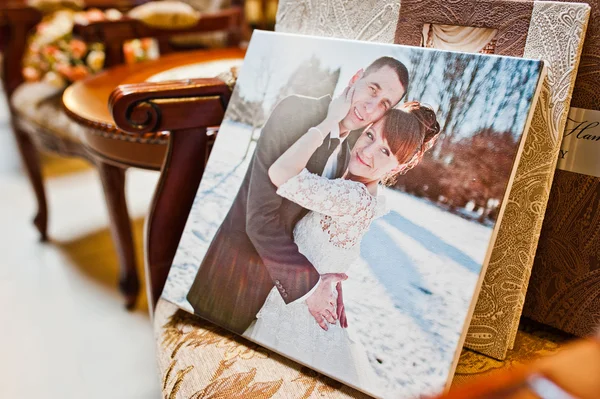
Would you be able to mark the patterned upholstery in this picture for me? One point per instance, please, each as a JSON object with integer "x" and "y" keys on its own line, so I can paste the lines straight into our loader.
{"x": 39, "y": 105}
{"x": 197, "y": 359}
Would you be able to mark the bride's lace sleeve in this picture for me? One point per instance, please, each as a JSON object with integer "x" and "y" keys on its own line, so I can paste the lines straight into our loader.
{"x": 336, "y": 197}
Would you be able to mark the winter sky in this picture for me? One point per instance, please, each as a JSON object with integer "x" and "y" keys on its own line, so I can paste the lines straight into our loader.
{"x": 286, "y": 52}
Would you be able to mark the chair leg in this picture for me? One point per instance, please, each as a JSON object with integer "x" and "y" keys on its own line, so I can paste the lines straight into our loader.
{"x": 31, "y": 159}
{"x": 113, "y": 182}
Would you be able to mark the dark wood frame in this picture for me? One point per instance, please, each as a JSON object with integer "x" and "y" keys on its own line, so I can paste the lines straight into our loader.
{"x": 16, "y": 21}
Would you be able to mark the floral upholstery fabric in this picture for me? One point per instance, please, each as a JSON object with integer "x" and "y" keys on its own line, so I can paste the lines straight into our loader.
{"x": 39, "y": 104}
{"x": 199, "y": 360}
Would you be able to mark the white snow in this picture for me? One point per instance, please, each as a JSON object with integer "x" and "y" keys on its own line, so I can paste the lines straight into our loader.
{"x": 408, "y": 296}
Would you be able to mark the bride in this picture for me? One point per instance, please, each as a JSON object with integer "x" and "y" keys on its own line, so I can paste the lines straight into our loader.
{"x": 329, "y": 235}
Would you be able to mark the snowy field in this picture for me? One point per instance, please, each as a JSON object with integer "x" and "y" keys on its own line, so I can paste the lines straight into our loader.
{"x": 408, "y": 296}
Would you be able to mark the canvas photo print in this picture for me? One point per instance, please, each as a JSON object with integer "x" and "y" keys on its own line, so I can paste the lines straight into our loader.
{"x": 348, "y": 207}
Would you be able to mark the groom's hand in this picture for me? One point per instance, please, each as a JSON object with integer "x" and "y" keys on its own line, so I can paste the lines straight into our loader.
{"x": 321, "y": 304}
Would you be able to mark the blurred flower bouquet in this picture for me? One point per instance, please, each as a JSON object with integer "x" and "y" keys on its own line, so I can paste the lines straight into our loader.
{"x": 55, "y": 56}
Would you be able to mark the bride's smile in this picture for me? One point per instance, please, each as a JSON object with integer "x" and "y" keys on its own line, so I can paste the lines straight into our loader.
{"x": 372, "y": 158}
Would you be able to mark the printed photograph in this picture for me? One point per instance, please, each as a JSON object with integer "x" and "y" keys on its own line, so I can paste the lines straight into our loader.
{"x": 349, "y": 202}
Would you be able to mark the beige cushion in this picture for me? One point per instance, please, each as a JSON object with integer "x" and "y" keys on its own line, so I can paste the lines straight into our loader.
{"x": 39, "y": 105}
{"x": 47, "y": 6}
{"x": 195, "y": 356}
{"x": 203, "y": 40}
{"x": 166, "y": 14}
{"x": 208, "y": 5}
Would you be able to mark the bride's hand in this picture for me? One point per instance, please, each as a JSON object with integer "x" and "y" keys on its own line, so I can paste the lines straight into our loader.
{"x": 340, "y": 106}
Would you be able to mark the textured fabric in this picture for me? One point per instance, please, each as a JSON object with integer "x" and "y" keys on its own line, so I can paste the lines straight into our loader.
{"x": 458, "y": 38}
{"x": 207, "y": 5}
{"x": 166, "y": 14}
{"x": 40, "y": 105}
{"x": 370, "y": 20}
{"x": 197, "y": 359}
{"x": 48, "y": 6}
{"x": 209, "y": 39}
{"x": 510, "y": 18}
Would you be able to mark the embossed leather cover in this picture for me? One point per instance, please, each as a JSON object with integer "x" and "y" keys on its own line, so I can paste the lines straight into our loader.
{"x": 544, "y": 30}
{"x": 510, "y": 18}
{"x": 564, "y": 289}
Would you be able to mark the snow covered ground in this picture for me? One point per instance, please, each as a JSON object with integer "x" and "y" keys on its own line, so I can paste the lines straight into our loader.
{"x": 407, "y": 297}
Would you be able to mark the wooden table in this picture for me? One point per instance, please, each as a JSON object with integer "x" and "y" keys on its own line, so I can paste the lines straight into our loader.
{"x": 86, "y": 102}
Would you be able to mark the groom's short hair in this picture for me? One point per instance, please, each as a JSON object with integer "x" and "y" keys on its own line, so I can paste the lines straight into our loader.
{"x": 398, "y": 67}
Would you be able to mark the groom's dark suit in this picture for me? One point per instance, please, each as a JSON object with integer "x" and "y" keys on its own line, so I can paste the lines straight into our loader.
{"x": 254, "y": 249}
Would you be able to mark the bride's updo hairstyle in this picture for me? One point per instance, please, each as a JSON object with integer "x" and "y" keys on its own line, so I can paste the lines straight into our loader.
{"x": 410, "y": 132}
{"x": 430, "y": 127}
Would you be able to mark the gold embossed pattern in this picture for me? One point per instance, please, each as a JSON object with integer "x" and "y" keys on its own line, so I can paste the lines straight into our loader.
{"x": 555, "y": 34}
{"x": 369, "y": 20}
{"x": 510, "y": 18}
{"x": 199, "y": 360}
{"x": 565, "y": 283}
{"x": 500, "y": 300}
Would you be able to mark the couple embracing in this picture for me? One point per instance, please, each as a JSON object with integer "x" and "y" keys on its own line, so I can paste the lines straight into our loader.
{"x": 275, "y": 268}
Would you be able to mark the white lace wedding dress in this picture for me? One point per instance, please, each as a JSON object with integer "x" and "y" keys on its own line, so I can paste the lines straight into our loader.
{"x": 341, "y": 212}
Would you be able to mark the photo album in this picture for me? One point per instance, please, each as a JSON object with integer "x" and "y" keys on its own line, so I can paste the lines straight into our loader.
{"x": 350, "y": 204}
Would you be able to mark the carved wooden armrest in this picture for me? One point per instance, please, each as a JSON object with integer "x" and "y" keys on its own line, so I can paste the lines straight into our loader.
{"x": 171, "y": 105}
{"x": 186, "y": 108}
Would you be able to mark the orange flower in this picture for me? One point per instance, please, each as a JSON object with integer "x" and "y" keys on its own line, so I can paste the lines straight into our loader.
{"x": 78, "y": 48}
{"x": 147, "y": 42}
{"x": 50, "y": 50}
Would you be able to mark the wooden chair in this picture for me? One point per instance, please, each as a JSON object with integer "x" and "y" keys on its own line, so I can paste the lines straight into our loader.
{"x": 44, "y": 126}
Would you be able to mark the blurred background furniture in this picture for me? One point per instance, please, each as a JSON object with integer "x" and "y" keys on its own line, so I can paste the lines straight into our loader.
{"x": 40, "y": 124}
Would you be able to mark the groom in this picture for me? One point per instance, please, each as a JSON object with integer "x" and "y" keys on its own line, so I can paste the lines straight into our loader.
{"x": 254, "y": 249}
